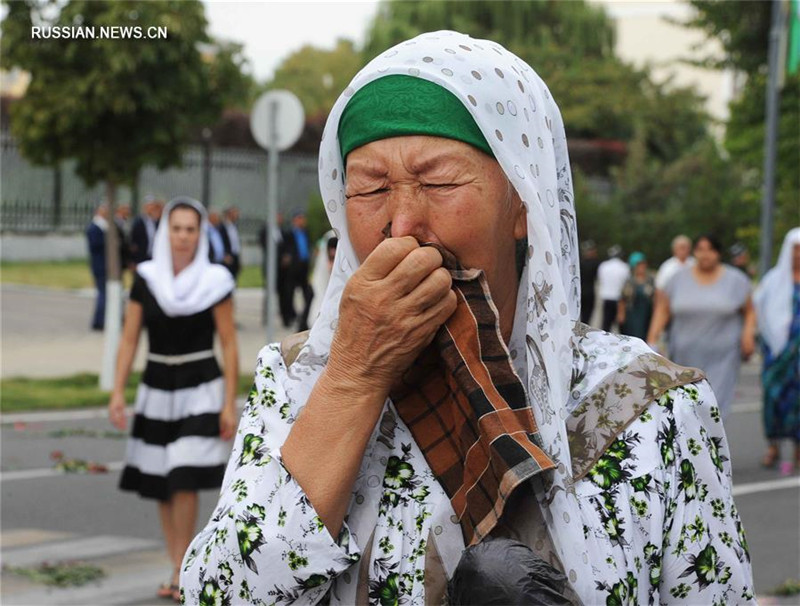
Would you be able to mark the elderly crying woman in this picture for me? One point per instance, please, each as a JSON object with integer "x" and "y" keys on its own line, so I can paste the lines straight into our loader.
{"x": 448, "y": 425}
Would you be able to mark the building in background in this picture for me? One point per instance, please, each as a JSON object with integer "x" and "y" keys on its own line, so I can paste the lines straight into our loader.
{"x": 649, "y": 34}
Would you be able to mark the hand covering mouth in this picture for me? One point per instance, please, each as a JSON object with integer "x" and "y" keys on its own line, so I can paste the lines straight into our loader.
{"x": 484, "y": 434}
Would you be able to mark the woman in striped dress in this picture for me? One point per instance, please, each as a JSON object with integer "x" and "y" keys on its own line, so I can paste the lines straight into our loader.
{"x": 185, "y": 406}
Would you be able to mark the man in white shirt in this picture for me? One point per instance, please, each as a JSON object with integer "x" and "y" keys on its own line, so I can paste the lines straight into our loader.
{"x": 611, "y": 277}
{"x": 681, "y": 251}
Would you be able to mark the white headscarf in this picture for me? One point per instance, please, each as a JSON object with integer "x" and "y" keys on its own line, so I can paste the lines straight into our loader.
{"x": 518, "y": 117}
{"x": 196, "y": 288}
{"x": 773, "y": 297}
{"x": 320, "y": 275}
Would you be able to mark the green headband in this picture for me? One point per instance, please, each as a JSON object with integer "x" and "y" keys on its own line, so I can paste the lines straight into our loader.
{"x": 396, "y": 106}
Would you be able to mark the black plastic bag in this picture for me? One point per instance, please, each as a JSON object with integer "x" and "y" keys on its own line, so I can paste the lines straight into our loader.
{"x": 500, "y": 571}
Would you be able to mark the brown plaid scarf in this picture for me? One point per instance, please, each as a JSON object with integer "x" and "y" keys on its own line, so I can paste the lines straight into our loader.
{"x": 468, "y": 411}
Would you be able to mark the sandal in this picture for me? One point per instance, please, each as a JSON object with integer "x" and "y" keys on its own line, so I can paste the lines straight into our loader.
{"x": 167, "y": 590}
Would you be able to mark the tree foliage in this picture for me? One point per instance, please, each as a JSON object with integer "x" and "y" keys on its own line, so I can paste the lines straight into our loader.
{"x": 744, "y": 141}
{"x": 741, "y": 27}
{"x": 743, "y": 30}
{"x": 317, "y": 76}
{"x": 115, "y": 105}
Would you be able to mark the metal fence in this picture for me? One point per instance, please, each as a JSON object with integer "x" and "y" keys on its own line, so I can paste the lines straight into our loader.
{"x": 36, "y": 199}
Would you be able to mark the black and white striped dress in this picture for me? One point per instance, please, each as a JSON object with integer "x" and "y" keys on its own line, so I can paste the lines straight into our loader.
{"x": 174, "y": 443}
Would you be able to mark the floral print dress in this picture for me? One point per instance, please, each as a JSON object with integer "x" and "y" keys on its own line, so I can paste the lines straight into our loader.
{"x": 656, "y": 505}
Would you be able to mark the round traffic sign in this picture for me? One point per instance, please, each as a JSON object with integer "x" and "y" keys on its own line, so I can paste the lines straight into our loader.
{"x": 277, "y": 119}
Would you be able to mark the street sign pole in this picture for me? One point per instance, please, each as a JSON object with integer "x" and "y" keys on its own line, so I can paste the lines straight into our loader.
{"x": 272, "y": 217}
{"x": 771, "y": 138}
{"x": 276, "y": 124}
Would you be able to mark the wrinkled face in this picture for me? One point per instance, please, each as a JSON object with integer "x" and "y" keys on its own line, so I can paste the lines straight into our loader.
{"x": 796, "y": 257}
{"x": 681, "y": 249}
{"x": 184, "y": 232}
{"x": 437, "y": 190}
{"x": 705, "y": 255}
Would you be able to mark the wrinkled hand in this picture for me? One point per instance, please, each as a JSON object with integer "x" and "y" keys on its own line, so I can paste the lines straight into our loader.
{"x": 390, "y": 311}
{"x": 227, "y": 423}
{"x": 116, "y": 411}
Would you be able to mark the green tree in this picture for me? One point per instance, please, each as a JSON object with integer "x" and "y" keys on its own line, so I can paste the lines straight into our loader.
{"x": 114, "y": 105}
{"x": 229, "y": 73}
{"x": 744, "y": 140}
{"x": 743, "y": 30}
{"x": 698, "y": 192}
{"x": 317, "y": 76}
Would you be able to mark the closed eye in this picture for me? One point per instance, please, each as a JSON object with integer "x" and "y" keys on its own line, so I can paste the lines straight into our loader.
{"x": 442, "y": 185}
{"x": 374, "y": 192}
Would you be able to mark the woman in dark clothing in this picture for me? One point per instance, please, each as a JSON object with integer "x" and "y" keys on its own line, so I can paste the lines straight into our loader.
{"x": 636, "y": 304}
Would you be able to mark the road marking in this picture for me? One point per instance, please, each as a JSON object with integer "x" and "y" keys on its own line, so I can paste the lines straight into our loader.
{"x": 768, "y": 486}
{"x": 738, "y": 490}
{"x": 48, "y": 472}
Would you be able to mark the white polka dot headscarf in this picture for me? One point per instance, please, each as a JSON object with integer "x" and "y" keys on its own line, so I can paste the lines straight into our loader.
{"x": 522, "y": 124}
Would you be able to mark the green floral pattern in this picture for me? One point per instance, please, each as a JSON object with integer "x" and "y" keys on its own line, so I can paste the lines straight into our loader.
{"x": 655, "y": 506}
{"x": 659, "y": 495}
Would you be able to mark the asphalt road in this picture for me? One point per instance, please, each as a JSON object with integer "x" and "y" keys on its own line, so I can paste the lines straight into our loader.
{"x": 42, "y": 509}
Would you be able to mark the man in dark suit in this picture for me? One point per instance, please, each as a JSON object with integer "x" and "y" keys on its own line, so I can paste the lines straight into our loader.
{"x": 96, "y": 239}
{"x": 216, "y": 245}
{"x": 589, "y": 264}
{"x": 297, "y": 256}
{"x": 288, "y": 313}
{"x": 143, "y": 230}
{"x": 230, "y": 240}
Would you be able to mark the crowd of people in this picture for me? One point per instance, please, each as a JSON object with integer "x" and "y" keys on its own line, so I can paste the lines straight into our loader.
{"x": 302, "y": 264}
{"x": 451, "y": 408}
{"x": 136, "y": 237}
{"x": 702, "y": 312}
